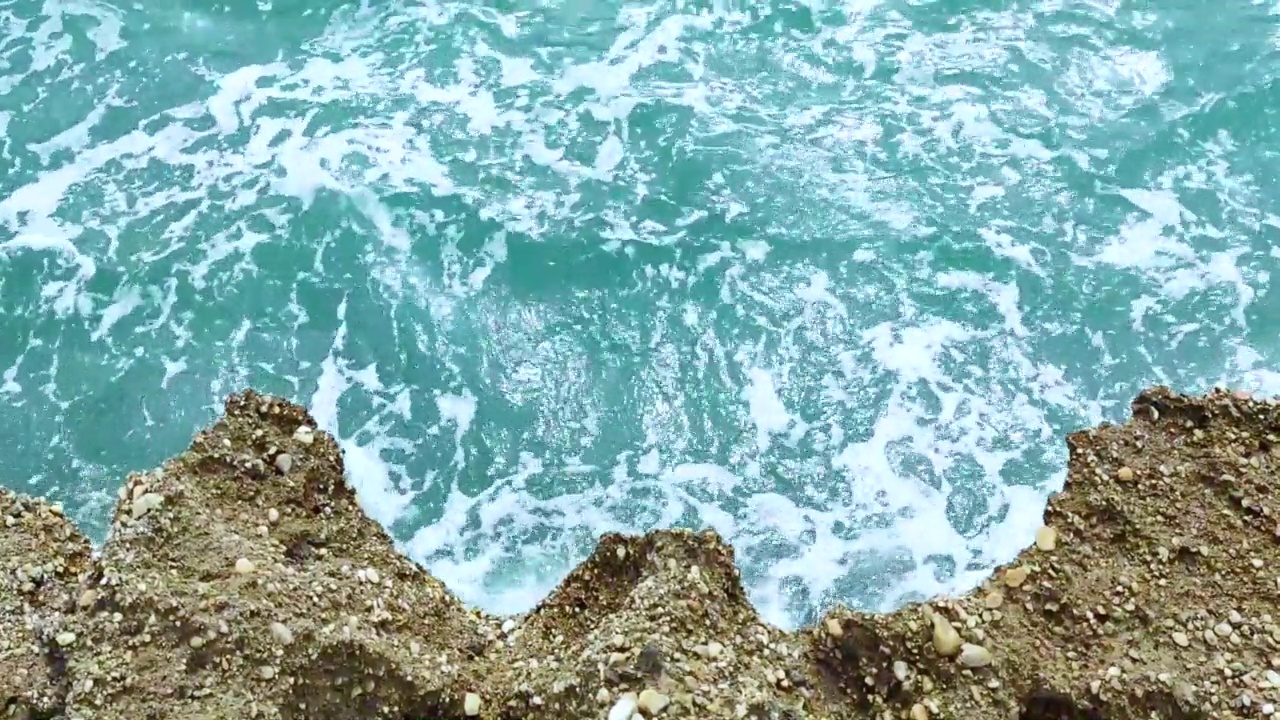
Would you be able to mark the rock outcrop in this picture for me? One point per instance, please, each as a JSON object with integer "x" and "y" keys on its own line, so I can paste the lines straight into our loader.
{"x": 241, "y": 580}
{"x": 43, "y": 559}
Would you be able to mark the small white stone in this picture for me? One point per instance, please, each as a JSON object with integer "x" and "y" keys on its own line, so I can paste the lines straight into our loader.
{"x": 1223, "y": 629}
{"x": 974, "y": 656}
{"x": 273, "y": 516}
{"x": 66, "y": 639}
{"x": 284, "y": 463}
{"x": 602, "y": 696}
{"x": 1268, "y": 709}
{"x": 945, "y": 638}
{"x": 508, "y": 625}
{"x": 371, "y": 575}
{"x": 244, "y": 566}
{"x": 266, "y": 672}
{"x": 471, "y": 705}
{"x": 652, "y": 702}
{"x": 1046, "y": 538}
{"x": 304, "y": 434}
{"x": 196, "y": 642}
{"x": 145, "y": 503}
{"x": 834, "y": 628}
{"x": 714, "y": 649}
{"x": 624, "y": 708}
{"x": 281, "y": 633}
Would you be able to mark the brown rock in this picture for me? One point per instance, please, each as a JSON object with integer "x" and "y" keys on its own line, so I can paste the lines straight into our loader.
{"x": 42, "y": 559}
{"x": 331, "y": 623}
{"x": 278, "y": 630}
{"x": 1083, "y": 631}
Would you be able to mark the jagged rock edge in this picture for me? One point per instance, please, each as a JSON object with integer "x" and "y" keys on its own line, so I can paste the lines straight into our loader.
{"x": 1150, "y": 406}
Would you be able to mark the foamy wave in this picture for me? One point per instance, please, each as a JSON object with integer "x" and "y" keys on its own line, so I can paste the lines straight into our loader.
{"x": 820, "y": 276}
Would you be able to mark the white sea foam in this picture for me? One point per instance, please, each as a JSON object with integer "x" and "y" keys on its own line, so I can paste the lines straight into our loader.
{"x": 862, "y": 414}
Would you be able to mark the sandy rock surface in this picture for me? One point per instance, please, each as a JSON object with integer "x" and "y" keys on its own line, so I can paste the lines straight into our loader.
{"x": 42, "y": 558}
{"x": 242, "y": 580}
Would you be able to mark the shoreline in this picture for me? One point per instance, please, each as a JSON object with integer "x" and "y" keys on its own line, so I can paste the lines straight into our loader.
{"x": 241, "y": 579}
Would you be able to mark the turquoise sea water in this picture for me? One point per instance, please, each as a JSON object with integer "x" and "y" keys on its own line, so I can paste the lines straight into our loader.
{"x": 832, "y": 278}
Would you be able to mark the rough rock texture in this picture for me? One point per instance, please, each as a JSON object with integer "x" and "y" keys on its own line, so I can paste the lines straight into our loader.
{"x": 42, "y": 557}
{"x": 1153, "y": 591}
{"x": 241, "y": 580}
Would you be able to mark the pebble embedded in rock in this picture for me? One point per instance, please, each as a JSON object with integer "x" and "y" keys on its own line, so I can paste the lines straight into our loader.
{"x": 145, "y": 503}
{"x": 1184, "y": 691}
{"x": 1180, "y": 639}
{"x": 1223, "y": 629}
{"x": 945, "y": 638}
{"x": 273, "y": 516}
{"x": 372, "y": 575}
{"x": 66, "y": 639}
{"x": 624, "y": 708}
{"x": 304, "y": 434}
{"x": 652, "y": 702}
{"x": 714, "y": 649}
{"x": 834, "y": 628}
{"x": 281, "y": 633}
{"x": 87, "y": 599}
{"x": 919, "y": 712}
{"x": 266, "y": 672}
{"x": 1125, "y": 474}
{"x": 196, "y": 642}
{"x": 974, "y": 656}
{"x": 471, "y": 704}
{"x": 993, "y": 600}
{"x": 1046, "y": 538}
{"x": 284, "y": 463}
{"x": 901, "y": 670}
{"x": 650, "y": 661}
{"x": 244, "y": 566}
{"x": 1014, "y": 577}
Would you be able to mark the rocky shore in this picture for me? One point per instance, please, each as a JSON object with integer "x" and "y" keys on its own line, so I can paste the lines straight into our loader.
{"x": 242, "y": 580}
